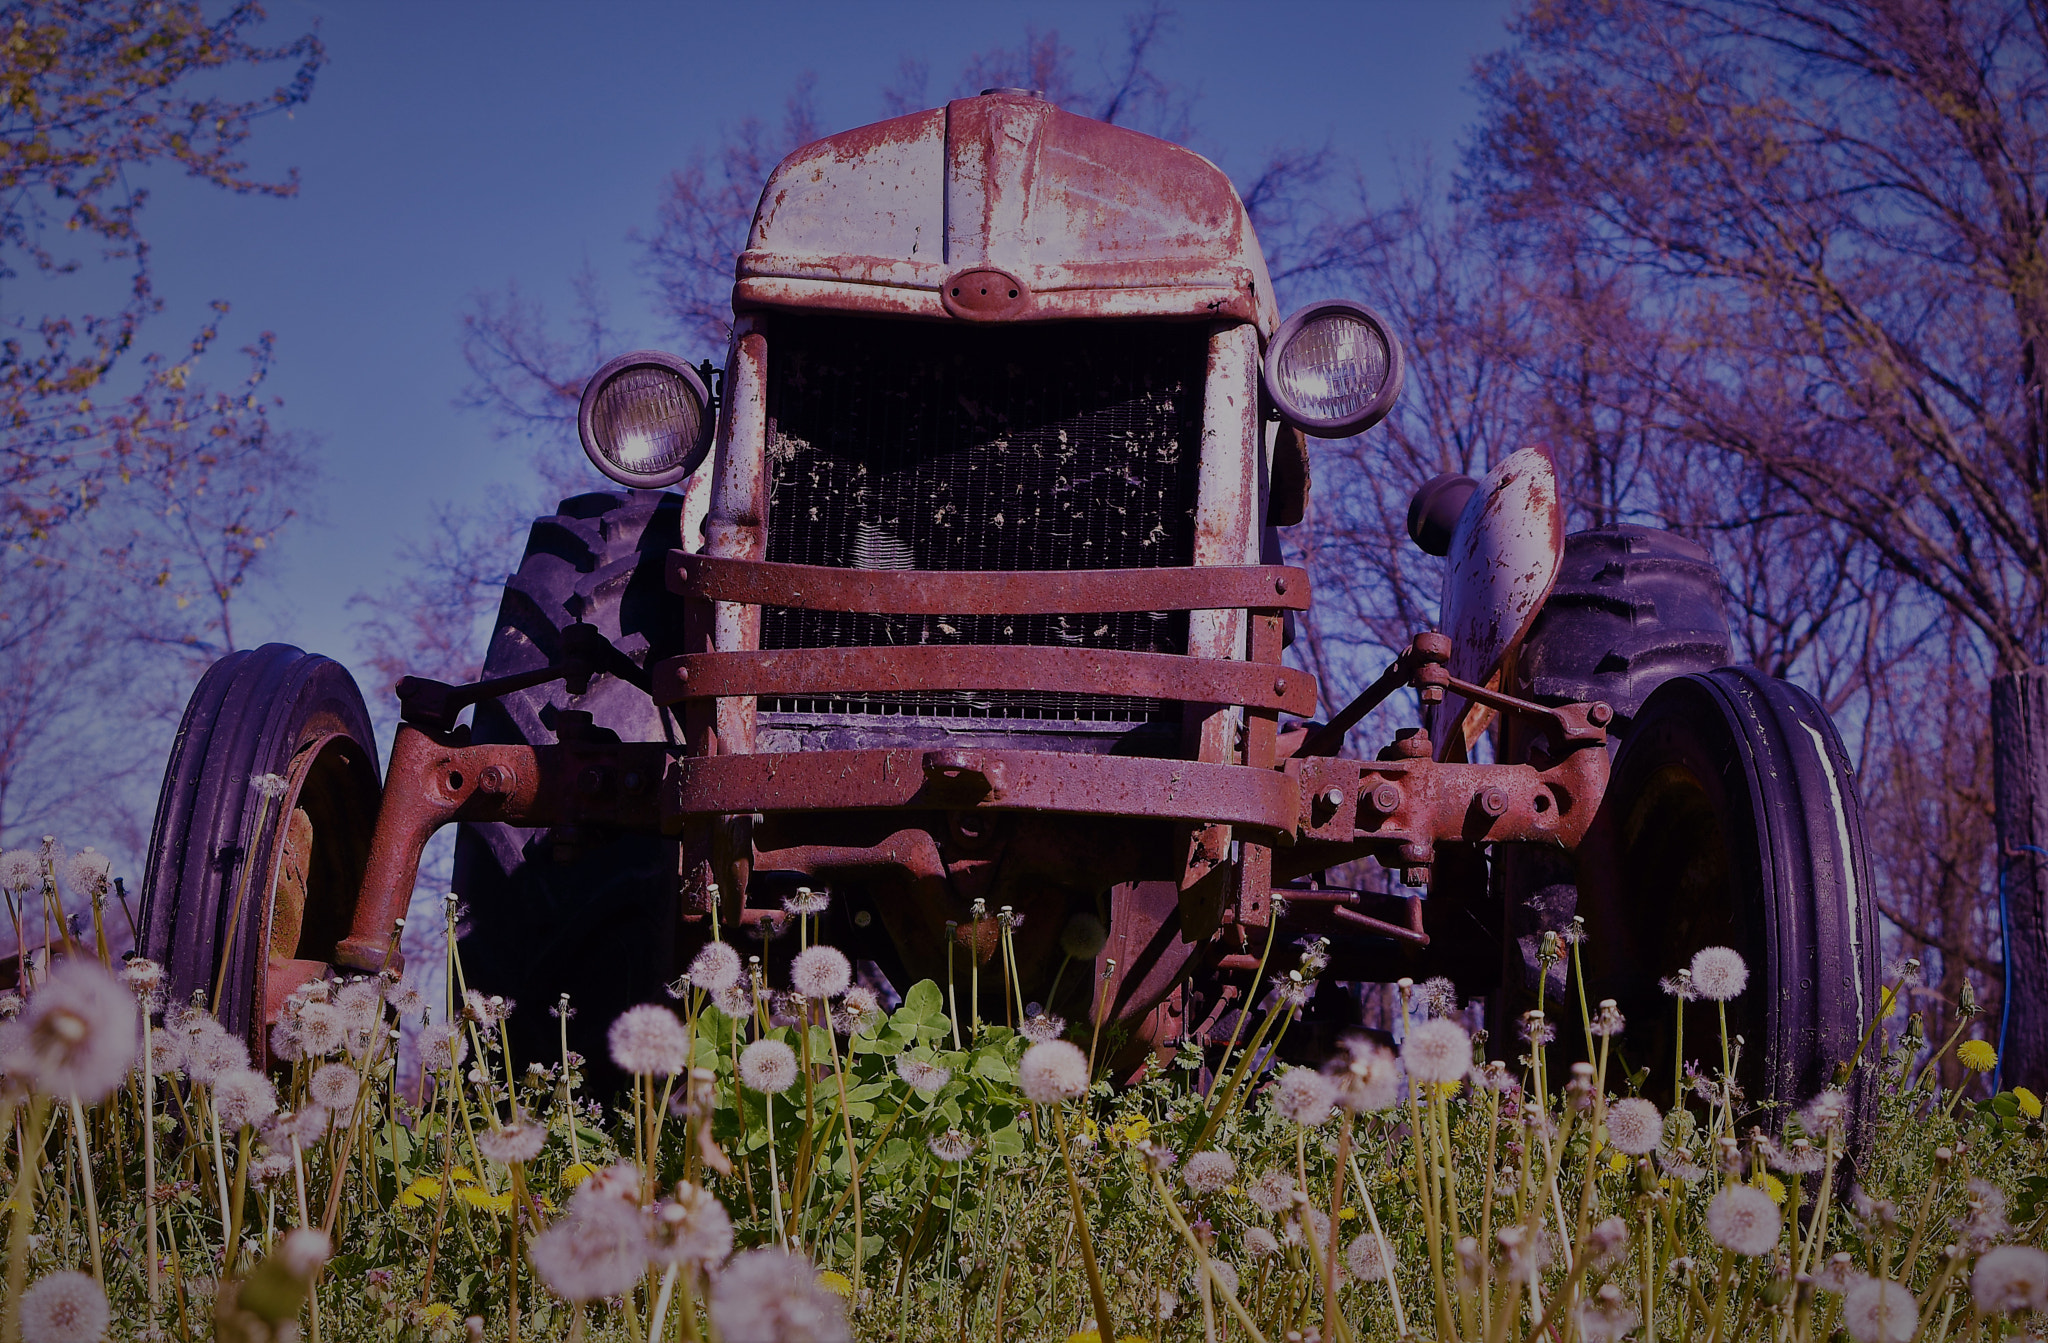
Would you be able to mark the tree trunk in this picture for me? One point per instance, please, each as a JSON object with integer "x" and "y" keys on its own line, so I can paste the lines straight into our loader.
{"x": 2019, "y": 780}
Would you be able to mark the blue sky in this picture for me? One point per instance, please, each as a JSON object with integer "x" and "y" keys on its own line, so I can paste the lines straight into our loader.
{"x": 450, "y": 148}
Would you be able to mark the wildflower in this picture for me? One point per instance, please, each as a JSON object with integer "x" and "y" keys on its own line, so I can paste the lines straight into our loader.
{"x": 21, "y": 871}
{"x": 1607, "y": 1020}
{"x": 806, "y": 901}
{"x": 79, "y": 1035}
{"x": 1437, "y": 1052}
{"x": 1369, "y": 1257}
{"x": 1977, "y": 1055}
{"x": 64, "y": 1307}
{"x": 1634, "y": 1126}
{"x": 333, "y": 1085}
{"x": 86, "y": 873}
{"x": 443, "y": 1046}
{"x": 144, "y": 978}
{"x": 820, "y": 972}
{"x": 1742, "y": 1218}
{"x": 1825, "y": 1114}
{"x": 1607, "y": 1241}
{"x": 1263, "y": 1243}
{"x": 1536, "y": 1030}
{"x": 1679, "y": 986}
{"x": 1225, "y": 1275}
{"x": 1838, "y": 1275}
{"x": 361, "y": 1003}
{"x": 1368, "y": 1078}
{"x": 598, "y": 1248}
{"x": 924, "y": 1076}
{"x": 406, "y": 997}
{"x": 735, "y": 1000}
{"x": 1084, "y": 937}
{"x": 243, "y": 1099}
{"x": 648, "y": 1041}
{"x": 2010, "y": 1279}
{"x": 1043, "y": 1026}
{"x": 266, "y": 1171}
{"x": 768, "y": 1293}
{"x": 1877, "y": 1311}
{"x": 1719, "y": 973}
{"x": 1053, "y": 1071}
{"x": 322, "y": 1030}
{"x": 859, "y": 1010}
{"x": 952, "y": 1146}
{"x": 1987, "y": 1224}
{"x": 308, "y": 1126}
{"x": 1209, "y": 1172}
{"x": 2029, "y": 1103}
{"x": 1607, "y": 1317}
{"x": 1315, "y": 956}
{"x": 768, "y": 1066}
{"x": 1272, "y": 1191}
{"x": 692, "y": 1228}
{"x": 166, "y": 1054}
{"x": 1304, "y": 1096}
{"x": 511, "y": 1143}
{"x": 1438, "y": 997}
{"x": 271, "y": 786}
{"x": 1293, "y": 991}
{"x": 715, "y": 968}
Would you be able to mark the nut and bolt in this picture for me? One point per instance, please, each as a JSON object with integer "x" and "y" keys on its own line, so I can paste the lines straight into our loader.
{"x": 1494, "y": 802}
{"x": 1386, "y": 799}
{"x": 862, "y": 918}
{"x": 496, "y": 779}
{"x": 1413, "y": 743}
{"x": 591, "y": 781}
{"x": 1333, "y": 797}
{"x": 1599, "y": 714}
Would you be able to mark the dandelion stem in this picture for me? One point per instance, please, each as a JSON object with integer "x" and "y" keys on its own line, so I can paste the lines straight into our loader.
{"x": 1095, "y": 1292}
{"x": 1372, "y": 1220}
{"x": 1187, "y": 1233}
{"x": 23, "y": 1199}
{"x": 92, "y": 1202}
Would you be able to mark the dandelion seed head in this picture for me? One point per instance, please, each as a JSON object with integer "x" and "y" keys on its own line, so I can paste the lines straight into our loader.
{"x": 1877, "y": 1311}
{"x": 1043, "y": 1026}
{"x": 1801, "y": 1157}
{"x": 820, "y": 972}
{"x": 768, "y": 1066}
{"x": 1437, "y": 1052}
{"x": 598, "y": 1248}
{"x": 1607, "y": 1240}
{"x": 768, "y": 1293}
{"x": 1634, "y": 1126}
{"x": 716, "y": 967}
{"x": 1827, "y": 1113}
{"x": 512, "y": 1143}
{"x": 1369, "y": 1257}
{"x": 1368, "y": 1078}
{"x": 1679, "y": 986}
{"x": 1053, "y": 1071}
{"x": 322, "y": 1029}
{"x": 1083, "y": 937}
{"x": 406, "y": 997}
{"x": 271, "y": 786}
{"x": 1272, "y": 1191}
{"x": 1719, "y": 973}
{"x": 859, "y": 1010}
{"x": 79, "y": 1035}
{"x": 1607, "y": 1021}
{"x": 952, "y": 1146}
{"x": 1437, "y": 996}
{"x": 1209, "y": 1172}
{"x": 243, "y": 1100}
{"x": 303, "y": 1251}
{"x": 64, "y": 1307}
{"x": 1304, "y": 1096}
{"x": 693, "y": 1228}
{"x": 1607, "y": 1317}
{"x": 1222, "y": 1272}
{"x": 1838, "y": 1275}
{"x": 443, "y": 1045}
{"x": 144, "y": 977}
{"x": 284, "y": 1042}
{"x": 333, "y": 1085}
{"x": 649, "y": 1041}
{"x": 21, "y": 871}
{"x": 87, "y": 874}
{"x": 1308, "y": 1226}
{"x": 924, "y": 1076}
{"x": 1261, "y": 1243}
{"x": 1536, "y": 1029}
{"x": 806, "y": 901}
{"x": 2010, "y": 1279}
{"x": 1743, "y": 1219}
{"x": 266, "y": 1171}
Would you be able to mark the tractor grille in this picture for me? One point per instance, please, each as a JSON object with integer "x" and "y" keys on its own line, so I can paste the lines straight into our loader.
{"x": 899, "y": 445}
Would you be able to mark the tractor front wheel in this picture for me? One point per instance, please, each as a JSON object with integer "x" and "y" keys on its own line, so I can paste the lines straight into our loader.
{"x": 262, "y": 833}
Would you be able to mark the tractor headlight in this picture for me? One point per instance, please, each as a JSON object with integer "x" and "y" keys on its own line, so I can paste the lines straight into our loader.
{"x": 1334, "y": 369}
{"x": 645, "y": 419}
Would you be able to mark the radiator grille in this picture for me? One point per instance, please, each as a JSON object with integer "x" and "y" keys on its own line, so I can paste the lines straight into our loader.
{"x": 899, "y": 445}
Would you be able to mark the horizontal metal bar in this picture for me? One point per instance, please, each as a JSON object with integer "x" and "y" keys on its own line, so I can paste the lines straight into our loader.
{"x": 820, "y": 672}
{"x": 955, "y": 779}
{"x": 939, "y": 592}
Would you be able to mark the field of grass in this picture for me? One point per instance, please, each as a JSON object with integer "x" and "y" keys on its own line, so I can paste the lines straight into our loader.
{"x": 794, "y": 1163}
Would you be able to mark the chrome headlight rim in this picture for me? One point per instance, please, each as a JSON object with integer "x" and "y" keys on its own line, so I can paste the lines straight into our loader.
{"x": 1365, "y": 417}
{"x": 693, "y": 383}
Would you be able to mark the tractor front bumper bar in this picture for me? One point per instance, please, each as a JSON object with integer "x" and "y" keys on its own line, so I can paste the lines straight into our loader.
{"x": 1314, "y": 813}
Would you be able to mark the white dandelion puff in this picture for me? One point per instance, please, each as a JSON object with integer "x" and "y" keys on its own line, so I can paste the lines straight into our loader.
{"x": 1437, "y": 1052}
{"x": 1742, "y": 1218}
{"x": 1273, "y": 1191}
{"x": 243, "y": 1100}
{"x": 820, "y": 972}
{"x": 1304, "y": 1096}
{"x": 715, "y": 968}
{"x": 2010, "y": 1279}
{"x": 64, "y": 1307}
{"x": 952, "y": 1146}
{"x": 80, "y": 1034}
{"x": 1209, "y": 1172}
{"x": 768, "y": 1066}
{"x": 512, "y": 1143}
{"x": 649, "y": 1041}
{"x": 1369, "y": 1257}
{"x": 1719, "y": 973}
{"x": 1877, "y": 1311}
{"x": 770, "y": 1294}
{"x": 1053, "y": 1071}
{"x": 1634, "y": 1126}
{"x": 599, "y": 1247}
{"x": 924, "y": 1076}
{"x": 693, "y": 1228}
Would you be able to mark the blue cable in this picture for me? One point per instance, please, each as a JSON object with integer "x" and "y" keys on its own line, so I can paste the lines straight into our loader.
{"x": 2005, "y": 935}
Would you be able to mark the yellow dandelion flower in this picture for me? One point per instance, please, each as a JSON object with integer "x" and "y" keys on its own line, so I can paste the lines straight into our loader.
{"x": 835, "y": 1281}
{"x": 2030, "y": 1104}
{"x": 1347, "y": 1214}
{"x": 1772, "y": 1185}
{"x": 1889, "y": 1001}
{"x": 420, "y": 1191}
{"x": 483, "y": 1200}
{"x": 1084, "y": 1336}
{"x": 1977, "y": 1055}
{"x": 1617, "y": 1163}
{"x": 576, "y": 1174}
{"x": 439, "y": 1313}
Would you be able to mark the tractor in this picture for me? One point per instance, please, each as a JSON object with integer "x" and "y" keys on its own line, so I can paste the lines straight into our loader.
{"x": 958, "y": 592}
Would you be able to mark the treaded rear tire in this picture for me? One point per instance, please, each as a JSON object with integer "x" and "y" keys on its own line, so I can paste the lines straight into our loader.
{"x": 1632, "y": 608}
{"x": 590, "y": 914}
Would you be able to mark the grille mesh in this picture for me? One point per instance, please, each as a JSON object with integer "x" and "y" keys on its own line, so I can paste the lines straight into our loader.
{"x": 896, "y": 445}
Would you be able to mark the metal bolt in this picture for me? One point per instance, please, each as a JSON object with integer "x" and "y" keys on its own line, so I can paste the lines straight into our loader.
{"x": 591, "y": 781}
{"x": 1279, "y": 686}
{"x": 634, "y": 781}
{"x": 1333, "y": 798}
{"x": 1494, "y": 802}
{"x": 1599, "y": 714}
{"x": 1280, "y": 585}
{"x": 862, "y": 918}
{"x": 1386, "y": 799}
{"x": 495, "y": 779}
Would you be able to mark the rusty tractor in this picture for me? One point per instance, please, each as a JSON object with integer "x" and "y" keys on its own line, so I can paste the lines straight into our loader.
{"x": 958, "y": 592}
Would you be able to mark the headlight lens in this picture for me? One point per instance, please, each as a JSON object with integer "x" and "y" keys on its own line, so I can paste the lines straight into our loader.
{"x": 1334, "y": 369}
{"x": 645, "y": 419}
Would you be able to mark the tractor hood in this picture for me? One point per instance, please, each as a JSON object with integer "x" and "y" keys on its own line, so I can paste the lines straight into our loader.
{"x": 1003, "y": 208}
